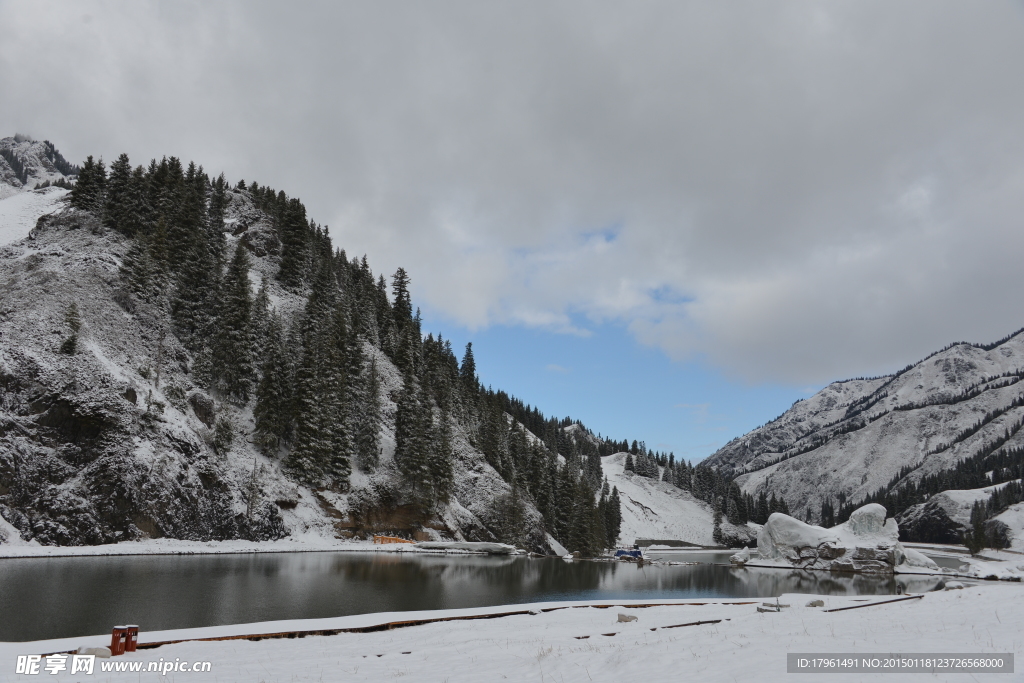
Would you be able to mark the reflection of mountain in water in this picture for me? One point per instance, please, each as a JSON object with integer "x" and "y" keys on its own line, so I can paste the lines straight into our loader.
{"x": 706, "y": 580}
{"x": 166, "y": 592}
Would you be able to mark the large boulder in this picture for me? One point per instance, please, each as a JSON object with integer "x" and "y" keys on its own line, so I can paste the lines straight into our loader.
{"x": 867, "y": 543}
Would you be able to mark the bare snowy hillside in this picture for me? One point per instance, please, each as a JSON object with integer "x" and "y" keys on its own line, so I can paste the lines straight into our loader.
{"x": 20, "y": 211}
{"x": 855, "y": 437}
{"x": 946, "y": 516}
{"x": 658, "y": 510}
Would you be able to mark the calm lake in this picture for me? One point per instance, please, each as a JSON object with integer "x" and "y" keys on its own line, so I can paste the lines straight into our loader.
{"x": 74, "y": 596}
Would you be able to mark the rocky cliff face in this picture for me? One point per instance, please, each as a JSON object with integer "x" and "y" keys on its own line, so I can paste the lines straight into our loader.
{"x": 854, "y": 437}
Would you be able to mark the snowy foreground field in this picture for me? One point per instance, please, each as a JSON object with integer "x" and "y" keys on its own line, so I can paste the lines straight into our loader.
{"x": 578, "y": 642}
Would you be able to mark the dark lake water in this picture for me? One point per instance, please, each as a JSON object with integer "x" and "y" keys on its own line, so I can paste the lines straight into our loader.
{"x": 75, "y": 596}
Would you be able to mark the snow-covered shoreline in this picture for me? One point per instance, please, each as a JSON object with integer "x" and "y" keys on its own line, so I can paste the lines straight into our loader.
{"x": 584, "y": 641}
{"x": 170, "y": 546}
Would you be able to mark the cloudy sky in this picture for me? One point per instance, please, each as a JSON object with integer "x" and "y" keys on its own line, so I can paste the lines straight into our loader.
{"x": 669, "y": 219}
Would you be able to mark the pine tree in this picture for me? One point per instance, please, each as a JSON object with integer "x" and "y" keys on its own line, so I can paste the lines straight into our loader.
{"x": 717, "y": 520}
{"x": 467, "y": 372}
{"x": 197, "y": 260}
{"x": 441, "y": 463}
{"x": 294, "y": 233}
{"x": 260, "y": 323}
{"x": 510, "y": 518}
{"x": 368, "y": 412}
{"x": 975, "y": 538}
{"x": 402, "y": 307}
{"x": 613, "y": 519}
{"x": 16, "y": 165}
{"x": 119, "y": 187}
{"x": 87, "y": 194}
{"x": 218, "y": 204}
{"x": 232, "y": 348}
{"x": 323, "y": 441}
{"x": 414, "y": 437}
{"x": 761, "y": 516}
{"x": 273, "y": 410}
{"x": 828, "y": 519}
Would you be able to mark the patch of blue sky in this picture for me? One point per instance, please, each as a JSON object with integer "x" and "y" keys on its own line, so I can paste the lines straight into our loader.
{"x": 669, "y": 295}
{"x": 618, "y": 387}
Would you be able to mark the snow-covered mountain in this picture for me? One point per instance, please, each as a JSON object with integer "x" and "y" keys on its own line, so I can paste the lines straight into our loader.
{"x": 26, "y": 164}
{"x": 854, "y": 437}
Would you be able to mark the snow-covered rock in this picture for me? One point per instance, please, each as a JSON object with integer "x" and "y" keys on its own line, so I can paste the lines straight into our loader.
{"x": 741, "y": 558}
{"x": 867, "y": 542}
{"x": 914, "y": 558}
{"x": 993, "y": 571}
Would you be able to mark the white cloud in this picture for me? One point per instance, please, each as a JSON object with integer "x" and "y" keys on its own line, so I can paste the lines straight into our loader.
{"x": 795, "y": 191}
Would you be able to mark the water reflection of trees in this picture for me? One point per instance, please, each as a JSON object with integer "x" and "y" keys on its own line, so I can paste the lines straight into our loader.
{"x": 188, "y": 591}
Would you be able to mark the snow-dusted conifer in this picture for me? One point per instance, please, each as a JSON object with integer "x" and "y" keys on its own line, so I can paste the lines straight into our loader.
{"x": 367, "y": 413}
{"x": 272, "y": 412}
{"x": 87, "y": 194}
{"x": 414, "y": 436}
{"x": 294, "y": 232}
{"x": 441, "y": 461}
{"x": 232, "y": 348}
{"x": 467, "y": 371}
{"x": 717, "y": 520}
{"x": 117, "y": 195}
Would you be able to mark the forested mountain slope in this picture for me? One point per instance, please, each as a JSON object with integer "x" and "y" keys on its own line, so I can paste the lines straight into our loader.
{"x": 184, "y": 357}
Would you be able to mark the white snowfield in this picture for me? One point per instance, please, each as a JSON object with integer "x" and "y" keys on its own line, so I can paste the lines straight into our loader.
{"x": 1013, "y": 517}
{"x": 658, "y": 510}
{"x": 19, "y": 212}
{"x": 9, "y": 537}
{"x": 577, "y": 643}
{"x": 958, "y": 502}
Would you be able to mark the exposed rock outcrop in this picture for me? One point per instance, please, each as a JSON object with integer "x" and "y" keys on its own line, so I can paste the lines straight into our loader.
{"x": 867, "y": 543}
